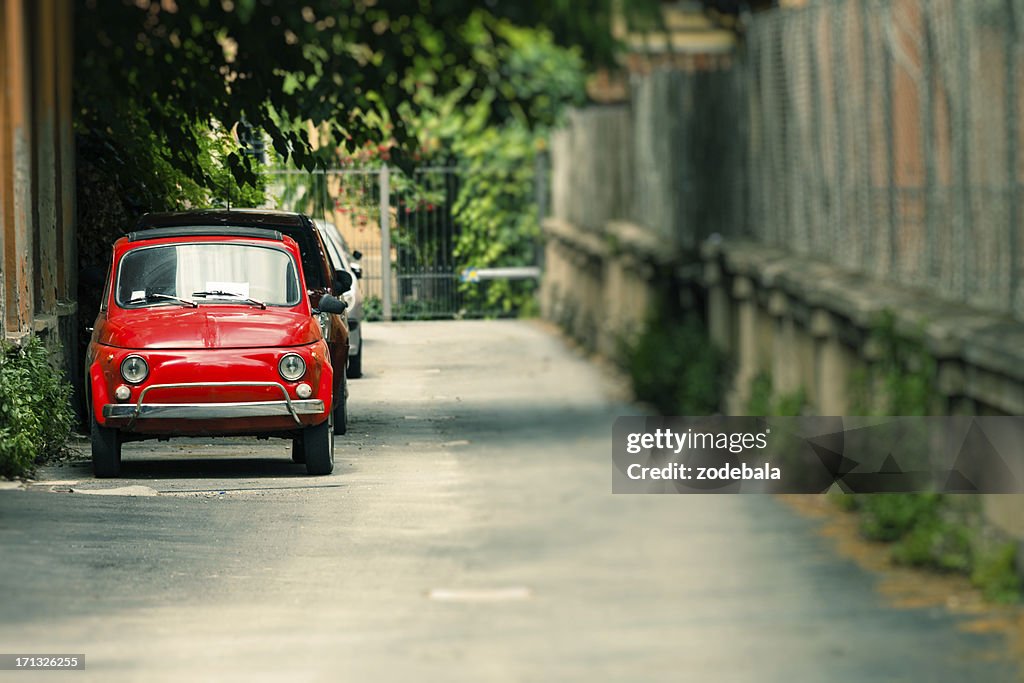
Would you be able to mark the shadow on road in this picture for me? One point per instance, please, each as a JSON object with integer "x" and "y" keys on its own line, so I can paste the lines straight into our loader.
{"x": 213, "y": 467}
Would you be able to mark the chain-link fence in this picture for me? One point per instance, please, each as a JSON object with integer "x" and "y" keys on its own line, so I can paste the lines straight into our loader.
{"x": 881, "y": 135}
{"x": 885, "y": 137}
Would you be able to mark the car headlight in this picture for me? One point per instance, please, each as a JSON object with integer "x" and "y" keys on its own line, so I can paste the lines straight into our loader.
{"x": 134, "y": 369}
{"x": 292, "y": 367}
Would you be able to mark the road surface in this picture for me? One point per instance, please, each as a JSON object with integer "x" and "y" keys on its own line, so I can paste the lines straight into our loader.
{"x": 467, "y": 534}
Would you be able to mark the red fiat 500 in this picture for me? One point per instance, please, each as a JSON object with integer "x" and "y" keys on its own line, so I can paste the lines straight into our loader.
{"x": 208, "y": 331}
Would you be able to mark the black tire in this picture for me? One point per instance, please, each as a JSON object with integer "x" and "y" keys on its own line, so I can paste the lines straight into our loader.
{"x": 298, "y": 455}
{"x": 106, "y": 450}
{"x": 341, "y": 412}
{"x": 318, "y": 448}
{"x": 355, "y": 365}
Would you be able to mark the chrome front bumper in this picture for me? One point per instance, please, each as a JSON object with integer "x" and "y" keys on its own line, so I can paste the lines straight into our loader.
{"x": 213, "y": 411}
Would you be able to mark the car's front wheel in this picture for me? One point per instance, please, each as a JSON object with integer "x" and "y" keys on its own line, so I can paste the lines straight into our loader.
{"x": 106, "y": 450}
{"x": 317, "y": 446}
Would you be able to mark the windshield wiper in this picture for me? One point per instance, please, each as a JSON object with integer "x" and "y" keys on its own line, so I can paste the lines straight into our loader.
{"x": 162, "y": 297}
{"x": 234, "y": 295}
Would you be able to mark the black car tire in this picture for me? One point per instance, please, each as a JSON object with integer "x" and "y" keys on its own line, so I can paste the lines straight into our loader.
{"x": 106, "y": 450}
{"x": 318, "y": 448}
{"x": 341, "y": 413}
{"x": 298, "y": 455}
{"x": 355, "y": 365}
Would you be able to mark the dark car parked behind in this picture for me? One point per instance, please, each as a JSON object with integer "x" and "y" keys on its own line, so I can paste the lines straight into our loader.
{"x": 343, "y": 257}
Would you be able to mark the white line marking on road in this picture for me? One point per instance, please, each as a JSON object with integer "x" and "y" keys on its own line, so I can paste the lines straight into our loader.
{"x": 507, "y": 594}
{"x": 119, "y": 491}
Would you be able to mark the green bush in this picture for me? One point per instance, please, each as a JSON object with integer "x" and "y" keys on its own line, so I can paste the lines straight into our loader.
{"x": 764, "y": 401}
{"x": 373, "y": 309}
{"x": 995, "y": 573}
{"x": 35, "y": 408}
{"x": 760, "y": 401}
{"x": 675, "y": 367}
{"x": 937, "y": 544}
{"x": 890, "y": 517}
{"x": 939, "y": 532}
{"x": 901, "y": 381}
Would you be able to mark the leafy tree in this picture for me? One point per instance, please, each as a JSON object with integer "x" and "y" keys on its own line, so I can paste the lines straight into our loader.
{"x": 160, "y": 84}
{"x": 279, "y": 65}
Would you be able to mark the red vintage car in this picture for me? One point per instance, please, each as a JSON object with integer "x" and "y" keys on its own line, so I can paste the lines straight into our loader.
{"x": 208, "y": 330}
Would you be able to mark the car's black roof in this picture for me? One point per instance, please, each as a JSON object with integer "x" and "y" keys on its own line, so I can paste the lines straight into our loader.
{"x": 203, "y": 230}
{"x": 295, "y": 225}
{"x": 253, "y": 218}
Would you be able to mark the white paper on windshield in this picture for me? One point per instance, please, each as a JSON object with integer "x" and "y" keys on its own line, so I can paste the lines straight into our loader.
{"x": 239, "y": 288}
{"x": 138, "y": 294}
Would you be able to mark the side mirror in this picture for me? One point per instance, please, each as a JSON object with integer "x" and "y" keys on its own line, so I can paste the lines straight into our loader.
{"x": 342, "y": 280}
{"x": 332, "y": 304}
{"x": 357, "y": 270}
{"x": 357, "y": 254}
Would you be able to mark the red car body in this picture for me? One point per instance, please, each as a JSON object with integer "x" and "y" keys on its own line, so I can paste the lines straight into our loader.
{"x": 318, "y": 272}
{"x": 164, "y": 361}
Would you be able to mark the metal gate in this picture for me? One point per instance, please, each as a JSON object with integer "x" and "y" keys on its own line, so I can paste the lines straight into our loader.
{"x": 402, "y": 224}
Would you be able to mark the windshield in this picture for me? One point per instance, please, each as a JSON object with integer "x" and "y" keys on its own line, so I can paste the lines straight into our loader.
{"x": 207, "y": 272}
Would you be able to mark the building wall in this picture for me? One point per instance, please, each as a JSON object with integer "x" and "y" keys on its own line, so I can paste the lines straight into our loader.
{"x": 38, "y": 267}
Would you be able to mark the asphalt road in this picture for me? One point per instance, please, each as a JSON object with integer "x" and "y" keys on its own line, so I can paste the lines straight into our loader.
{"x": 468, "y": 534}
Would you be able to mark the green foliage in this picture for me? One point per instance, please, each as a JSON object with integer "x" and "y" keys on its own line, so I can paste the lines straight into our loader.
{"x": 495, "y": 208}
{"x": 373, "y": 308}
{"x": 348, "y": 66}
{"x": 925, "y": 530}
{"x": 496, "y": 213}
{"x": 791, "y": 404}
{"x": 764, "y": 401}
{"x": 760, "y": 401}
{"x": 35, "y": 408}
{"x": 902, "y": 379}
{"x": 117, "y": 183}
{"x": 941, "y": 532}
{"x": 675, "y": 367}
{"x": 937, "y": 544}
{"x": 847, "y": 502}
{"x": 995, "y": 573}
{"x": 890, "y": 517}
{"x": 159, "y": 87}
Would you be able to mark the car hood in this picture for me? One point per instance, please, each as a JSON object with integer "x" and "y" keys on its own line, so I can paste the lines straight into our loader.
{"x": 209, "y": 327}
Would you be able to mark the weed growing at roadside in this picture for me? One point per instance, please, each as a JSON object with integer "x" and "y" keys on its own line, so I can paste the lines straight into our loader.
{"x": 764, "y": 401}
{"x": 931, "y": 530}
{"x": 675, "y": 367}
{"x": 904, "y": 375}
{"x": 35, "y": 408}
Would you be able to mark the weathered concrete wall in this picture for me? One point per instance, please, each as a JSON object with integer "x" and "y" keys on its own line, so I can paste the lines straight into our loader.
{"x": 807, "y": 323}
{"x": 600, "y": 287}
{"x": 38, "y": 261}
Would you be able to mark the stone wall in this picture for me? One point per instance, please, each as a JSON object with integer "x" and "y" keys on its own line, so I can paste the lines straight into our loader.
{"x": 807, "y": 323}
